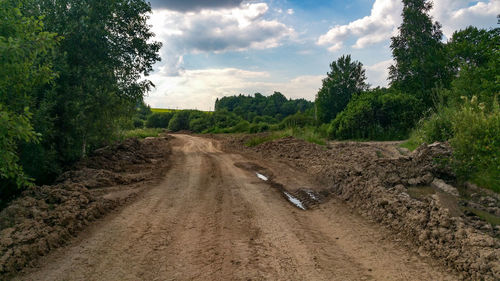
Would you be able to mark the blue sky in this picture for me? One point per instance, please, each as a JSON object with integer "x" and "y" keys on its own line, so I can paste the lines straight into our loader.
{"x": 227, "y": 47}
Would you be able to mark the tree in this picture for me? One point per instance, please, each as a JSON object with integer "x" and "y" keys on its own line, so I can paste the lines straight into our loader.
{"x": 106, "y": 51}
{"x": 25, "y": 66}
{"x": 345, "y": 79}
{"x": 420, "y": 61}
{"x": 475, "y": 62}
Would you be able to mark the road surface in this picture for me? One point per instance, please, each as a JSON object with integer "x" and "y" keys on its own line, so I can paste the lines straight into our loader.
{"x": 210, "y": 220}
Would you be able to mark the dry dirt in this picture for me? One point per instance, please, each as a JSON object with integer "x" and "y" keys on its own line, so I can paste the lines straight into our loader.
{"x": 212, "y": 218}
{"x": 44, "y": 218}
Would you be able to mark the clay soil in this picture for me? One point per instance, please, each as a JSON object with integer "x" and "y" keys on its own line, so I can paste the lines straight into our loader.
{"x": 212, "y": 218}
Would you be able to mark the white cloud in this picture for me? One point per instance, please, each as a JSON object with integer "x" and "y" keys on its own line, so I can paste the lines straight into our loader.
{"x": 235, "y": 29}
{"x": 458, "y": 14}
{"x": 198, "y": 89}
{"x": 378, "y": 73}
{"x": 290, "y": 11}
{"x": 380, "y": 25}
{"x": 385, "y": 18}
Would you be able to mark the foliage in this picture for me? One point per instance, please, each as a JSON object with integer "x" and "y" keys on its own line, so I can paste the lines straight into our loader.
{"x": 473, "y": 131}
{"x": 378, "y": 114}
{"x": 179, "y": 122}
{"x": 266, "y": 109}
{"x": 475, "y": 61}
{"x": 25, "y": 49}
{"x": 258, "y": 128}
{"x": 420, "y": 59}
{"x": 476, "y": 143}
{"x": 159, "y": 120}
{"x": 345, "y": 79}
{"x": 106, "y": 52}
{"x": 140, "y": 133}
{"x": 297, "y": 120}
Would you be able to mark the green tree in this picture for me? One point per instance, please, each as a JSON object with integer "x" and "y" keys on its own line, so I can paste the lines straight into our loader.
{"x": 25, "y": 66}
{"x": 475, "y": 61}
{"x": 420, "y": 60}
{"x": 106, "y": 51}
{"x": 345, "y": 79}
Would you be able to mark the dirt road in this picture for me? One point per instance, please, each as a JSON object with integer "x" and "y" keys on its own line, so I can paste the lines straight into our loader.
{"x": 210, "y": 220}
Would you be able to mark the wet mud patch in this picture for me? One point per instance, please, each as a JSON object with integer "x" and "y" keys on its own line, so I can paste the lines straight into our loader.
{"x": 302, "y": 198}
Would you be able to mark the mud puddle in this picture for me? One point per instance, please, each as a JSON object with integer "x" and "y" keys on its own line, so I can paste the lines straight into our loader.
{"x": 302, "y": 198}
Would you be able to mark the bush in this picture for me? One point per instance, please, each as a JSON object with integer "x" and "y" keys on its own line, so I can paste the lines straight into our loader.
{"x": 476, "y": 144}
{"x": 138, "y": 123}
{"x": 377, "y": 115}
{"x": 263, "y": 119}
{"x": 473, "y": 131}
{"x": 199, "y": 125}
{"x": 159, "y": 120}
{"x": 180, "y": 121}
{"x": 258, "y": 128}
{"x": 297, "y": 120}
{"x": 225, "y": 119}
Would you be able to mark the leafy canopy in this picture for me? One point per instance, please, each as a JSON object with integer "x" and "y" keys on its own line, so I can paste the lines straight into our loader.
{"x": 345, "y": 79}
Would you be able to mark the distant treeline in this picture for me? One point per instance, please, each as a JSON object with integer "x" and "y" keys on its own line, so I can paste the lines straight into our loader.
{"x": 257, "y": 108}
{"x": 233, "y": 114}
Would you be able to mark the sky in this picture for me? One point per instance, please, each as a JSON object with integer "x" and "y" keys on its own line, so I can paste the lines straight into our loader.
{"x": 221, "y": 48}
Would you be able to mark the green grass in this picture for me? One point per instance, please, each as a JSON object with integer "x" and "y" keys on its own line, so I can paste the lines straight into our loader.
{"x": 161, "y": 110}
{"x": 141, "y": 133}
{"x": 410, "y": 144}
{"x": 262, "y": 139}
{"x": 492, "y": 219}
{"x": 309, "y": 134}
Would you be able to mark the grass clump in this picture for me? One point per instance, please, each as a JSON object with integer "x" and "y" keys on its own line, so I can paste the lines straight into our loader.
{"x": 141, "y": 133}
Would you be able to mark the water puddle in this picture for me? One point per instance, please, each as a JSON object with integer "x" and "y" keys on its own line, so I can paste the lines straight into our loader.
{"x": 312, "y": 195}
{"x": 294, "y": 200}
{"x": 262, "y": 177}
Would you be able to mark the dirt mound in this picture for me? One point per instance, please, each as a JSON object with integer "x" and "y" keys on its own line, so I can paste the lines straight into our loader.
{"x": 46, "y": 217}
{"x": 380, "y": 188}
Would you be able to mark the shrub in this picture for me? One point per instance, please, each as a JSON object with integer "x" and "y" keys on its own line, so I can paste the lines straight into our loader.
{"x": 159, "y": 120}
{"x": 378, "y": 114}
{"x": 258, "y": 128}
{"x": 138, "y": 123}
{"x": 474, "y": 134}
{"x": 297, "y": 120}
{"x": 200, "y": 124}
{"x": 263, "y": 119}
{"x": 242, "y": 127}
{"x": 476, "y": 144}
{"x": 180, "y": 121}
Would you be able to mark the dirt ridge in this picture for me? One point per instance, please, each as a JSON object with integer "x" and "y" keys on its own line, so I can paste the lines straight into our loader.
{"x": 46, "y": 217}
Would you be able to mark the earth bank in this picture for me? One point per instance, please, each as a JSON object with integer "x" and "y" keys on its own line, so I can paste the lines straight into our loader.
{"x": 407, "y": 192}
{"x": 46, "y": 217}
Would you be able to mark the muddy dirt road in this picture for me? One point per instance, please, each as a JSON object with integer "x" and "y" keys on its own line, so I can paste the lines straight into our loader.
{"x": 210, "y": 220}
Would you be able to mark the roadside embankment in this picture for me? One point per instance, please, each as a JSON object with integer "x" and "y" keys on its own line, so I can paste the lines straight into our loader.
{"x": 46, "y": 217}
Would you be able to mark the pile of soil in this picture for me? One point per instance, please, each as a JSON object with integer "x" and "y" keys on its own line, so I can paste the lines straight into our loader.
{"x": 46, "y": 217}
{"x": 409, "y": 193}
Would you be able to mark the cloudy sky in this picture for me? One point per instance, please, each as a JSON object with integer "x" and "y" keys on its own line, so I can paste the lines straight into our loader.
{"x": 218, "y": 48}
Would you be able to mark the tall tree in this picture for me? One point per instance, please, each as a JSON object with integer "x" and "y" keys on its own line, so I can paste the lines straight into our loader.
{"x": 25, "y": 66}
{"x": 106, "y": 51}
{"x": 475, "y": 61}
{"x": 420, "y": 61}
{"x": 345, "y": 79}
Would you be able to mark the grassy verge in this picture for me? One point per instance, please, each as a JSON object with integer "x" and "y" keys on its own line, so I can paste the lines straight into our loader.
{"x": 141, "y": 133}
{"x": 309, "y": 134}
